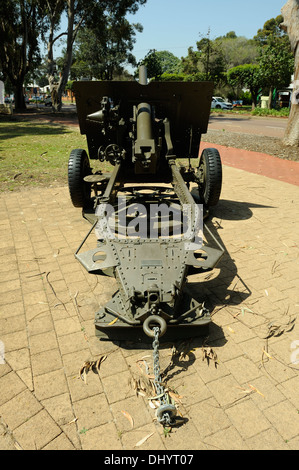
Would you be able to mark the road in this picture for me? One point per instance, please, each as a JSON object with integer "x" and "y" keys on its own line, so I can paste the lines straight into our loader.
{"x": 266, "y": 126}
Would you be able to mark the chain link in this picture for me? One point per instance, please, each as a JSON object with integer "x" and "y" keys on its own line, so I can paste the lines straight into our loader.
{"x": 166, "y": 410}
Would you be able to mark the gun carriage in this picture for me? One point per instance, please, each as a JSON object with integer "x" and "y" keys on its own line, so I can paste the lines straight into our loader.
{"x": 142, "y": 129}
{"x": 149, "y": 211}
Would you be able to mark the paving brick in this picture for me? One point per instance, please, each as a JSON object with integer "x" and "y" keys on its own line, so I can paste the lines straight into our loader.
{"x": 43, "y": 342}
{"x": 4, "y": 369}
{"x": 247, "y": 419}
{"x": 227, "y": 439}
{"x": 103, "y": 437}
{"x": 74, "y": 361}
{"x": 67, "y": 325}
{"x": 39, "y": 319}
{"x": 208, "y": 418}
{"x": 226, "y": 390}
{"x": 18, "y": 359}
{"x": 208, "y": 372}
{"x": 11, "y": 297}
{"x": 155, "y": 441}
{"x": 46, "y": 361}
{"x": 50, "y": 384}
{"x": 114, "y": 364}
{"x": 19, "y": 409}
{"x": 191, "y": 388}
{"x": 267, "y": 440}
{"x": 80, "y": 389}
{"x": 15, "y": 340}
{"x": 290, "y": 390}
{"x": 118, "y": 388}
{"x": 32, "y": 298}
{"x": 243, "y": 369}
{"x": 267, "y": 394}
{"x": 140, "y": 412}
{"x": 48, "y": 337}
{"x": 72, "y": 342}
{"x": 60, "y": 408}
{"x": 61, "y": 442}
{"x": 9, "y": 285}
{"x": 183, "y": 438}
{"x": 13, "y": 324}
{"x": 10, "y": 385}
{"x": 92, "y": 412}
{"x": 45, "y": 430}
{"x": 6, "y": 439}
{"x": 285, "y": 418}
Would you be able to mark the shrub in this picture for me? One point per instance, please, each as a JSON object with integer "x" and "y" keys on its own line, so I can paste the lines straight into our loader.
{"x": 271, "y": 112}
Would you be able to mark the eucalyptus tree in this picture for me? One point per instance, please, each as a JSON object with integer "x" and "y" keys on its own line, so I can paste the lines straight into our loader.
{"x": 96, "y": 15}
{"x": 21, "y": 23}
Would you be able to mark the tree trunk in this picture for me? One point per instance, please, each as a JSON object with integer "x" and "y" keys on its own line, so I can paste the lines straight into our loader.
{"x": 270, "y": 97}
{"x": 57, "y": 86}
{"x": 291, "y": 136}
{"x": 290, "y": 12}
{"x": 20, "y": 104}
{"x": 254, "y": 96}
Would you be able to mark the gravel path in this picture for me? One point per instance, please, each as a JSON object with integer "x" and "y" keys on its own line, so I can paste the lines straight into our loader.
{"x": 255, "y": 143}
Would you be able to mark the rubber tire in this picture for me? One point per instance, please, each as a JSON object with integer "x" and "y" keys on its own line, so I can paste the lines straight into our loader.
{"x": 78, "y": 168}
{"x": 210, "y": 190}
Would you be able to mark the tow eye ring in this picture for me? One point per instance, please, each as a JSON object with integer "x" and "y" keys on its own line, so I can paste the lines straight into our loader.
{"x": 154, "y": 319}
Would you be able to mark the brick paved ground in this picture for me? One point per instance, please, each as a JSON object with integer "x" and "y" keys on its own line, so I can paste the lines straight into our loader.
{"x": 47, "y": 305}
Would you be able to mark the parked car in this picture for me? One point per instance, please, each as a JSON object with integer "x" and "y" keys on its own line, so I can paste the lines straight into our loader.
{"x": 220, "y": 103}
{"x": 36, "y": 99}
{"x": 48, "y": 101}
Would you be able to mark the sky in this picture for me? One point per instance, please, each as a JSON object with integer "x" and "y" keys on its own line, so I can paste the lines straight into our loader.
{"x": 175, "y": 25}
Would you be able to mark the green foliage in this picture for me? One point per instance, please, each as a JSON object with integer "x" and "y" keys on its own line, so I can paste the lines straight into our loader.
{"x": 238, "y": 51}
{"x": 271, "y": 32}
{"x": 276, "y": 64}
{"x": 104, "y": 45}
{"x": 208, "y": 60}
{"x": 246, "y": 76}
{"x": 169, "y": 62}
{"x": 181, "y": 77}
{"x": 153, "y": 64}
{"x": 69, "y": 85}
{"x": 284, "y": 112}
{"x": 246, "y": 97}
{"x": 20, "y": 26}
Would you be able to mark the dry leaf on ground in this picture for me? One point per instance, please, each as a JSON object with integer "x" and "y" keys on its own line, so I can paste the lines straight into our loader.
{"x": 139, "y": 443}
{"x": 90, "y": 365}
{"x": 129, "y": 417}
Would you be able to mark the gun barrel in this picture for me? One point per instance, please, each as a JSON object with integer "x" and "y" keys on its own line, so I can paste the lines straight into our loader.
{"x": 143, "y": 75}
{"x": 144, "y": 112}
{"x": 144, "y": 122}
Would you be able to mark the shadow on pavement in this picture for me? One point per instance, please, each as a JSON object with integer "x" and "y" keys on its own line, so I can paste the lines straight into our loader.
{"x": 235, "y": 210}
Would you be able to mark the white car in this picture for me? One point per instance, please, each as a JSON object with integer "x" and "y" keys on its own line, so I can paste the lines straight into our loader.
{"x": 220, "y": 103}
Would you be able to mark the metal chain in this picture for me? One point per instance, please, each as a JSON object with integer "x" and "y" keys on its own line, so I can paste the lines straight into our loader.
{"x": 166, "y": 409}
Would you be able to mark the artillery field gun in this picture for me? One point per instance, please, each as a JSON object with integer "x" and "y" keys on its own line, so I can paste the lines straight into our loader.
{"x": 142, "y": 129}
{"x": 150, "y": 228}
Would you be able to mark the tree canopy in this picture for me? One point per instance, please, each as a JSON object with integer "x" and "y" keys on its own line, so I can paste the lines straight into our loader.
{"x": 105, "y": 19}
{"x": 99, "y": 41}
{"x": 24, "y": 22}
{"x": 20, "y": 27}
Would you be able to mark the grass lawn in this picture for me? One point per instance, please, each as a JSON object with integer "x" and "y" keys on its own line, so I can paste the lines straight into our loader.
{"x": 35, "y": 152}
